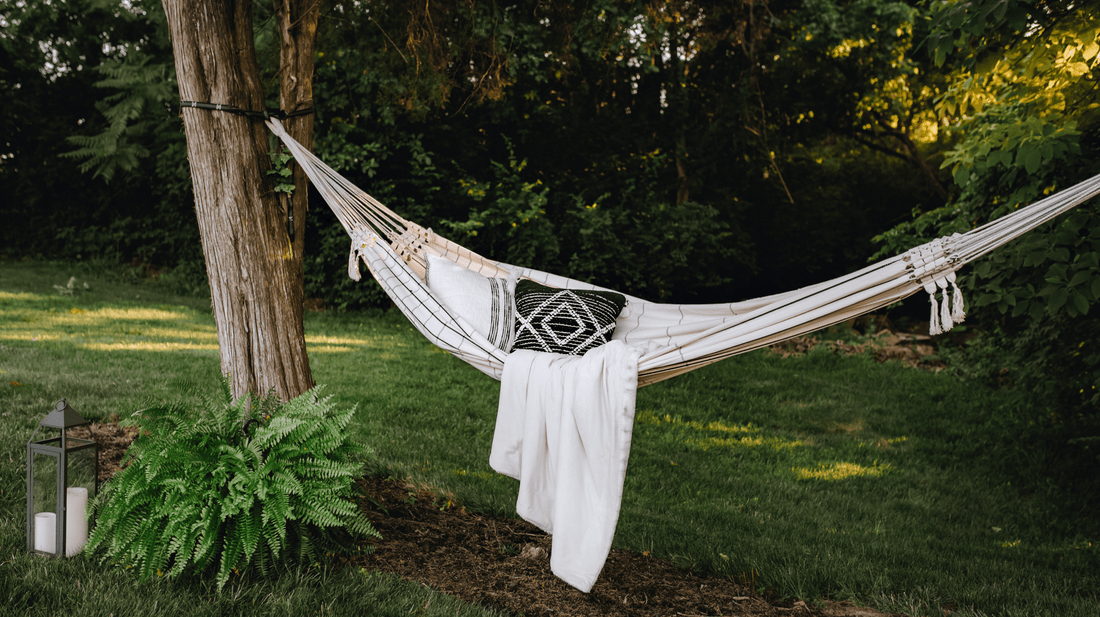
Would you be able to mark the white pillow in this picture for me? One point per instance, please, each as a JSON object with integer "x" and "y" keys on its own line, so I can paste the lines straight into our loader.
{"x": 488, "y": 304}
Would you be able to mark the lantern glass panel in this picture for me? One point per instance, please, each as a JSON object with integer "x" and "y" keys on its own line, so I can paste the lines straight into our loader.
{"x": 81, "y": 463}
{"x": 80, "y": 486}
{"x": 43, "y": 496}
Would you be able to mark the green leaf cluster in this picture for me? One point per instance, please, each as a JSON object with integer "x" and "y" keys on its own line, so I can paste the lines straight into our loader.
{"x": 138, "y": 82}
{"x": 222, "y": 485}
{"x": 1010, "y": 144}
{"x": 1008, "y": 159}
{"x": 282, "y": 171}
{"x": 509, "y": 215}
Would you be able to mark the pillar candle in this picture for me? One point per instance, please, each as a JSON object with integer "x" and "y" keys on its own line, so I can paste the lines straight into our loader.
{"x": 76, "y": 523}
{"x": 45, "y": 532}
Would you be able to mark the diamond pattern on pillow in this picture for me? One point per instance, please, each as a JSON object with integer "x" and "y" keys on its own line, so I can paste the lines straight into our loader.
{"x": 563, "y": 320}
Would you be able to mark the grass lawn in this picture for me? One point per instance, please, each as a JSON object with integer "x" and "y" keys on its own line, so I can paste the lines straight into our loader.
{"x": 815, "y": 476}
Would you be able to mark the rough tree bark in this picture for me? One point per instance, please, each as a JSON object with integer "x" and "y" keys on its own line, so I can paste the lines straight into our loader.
{"x": 255, "y": 271}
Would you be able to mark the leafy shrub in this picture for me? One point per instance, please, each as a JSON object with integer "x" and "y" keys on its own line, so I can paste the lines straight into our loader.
{"x": 1040, "y": 288}
{"x": 1034, "y": 298}
{"x": 507, "y": 216}
{"x": 1046, "y": 441}
{"x": 227, "y": 484}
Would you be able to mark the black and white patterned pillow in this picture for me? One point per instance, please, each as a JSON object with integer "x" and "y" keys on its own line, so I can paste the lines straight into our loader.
{"x": 563, "y": 320}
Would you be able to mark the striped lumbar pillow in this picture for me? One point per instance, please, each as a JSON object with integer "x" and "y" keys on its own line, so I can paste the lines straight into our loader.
{"x": 563, "y": 320}
{"x": 487, "y": 304}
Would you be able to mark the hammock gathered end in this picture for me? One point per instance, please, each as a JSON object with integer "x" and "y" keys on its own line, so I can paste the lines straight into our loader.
{"x": 673, "y": 338}
{"x": 923, "y": 263}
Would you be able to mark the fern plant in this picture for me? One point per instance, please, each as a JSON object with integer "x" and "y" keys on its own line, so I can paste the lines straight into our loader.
{"x": 225, "y": 485}
{"x": 141, "y": 86}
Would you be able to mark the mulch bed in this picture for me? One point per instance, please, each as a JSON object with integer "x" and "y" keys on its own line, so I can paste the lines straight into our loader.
{"x": 113, "y": 441}
{"x": 505, "y": 563}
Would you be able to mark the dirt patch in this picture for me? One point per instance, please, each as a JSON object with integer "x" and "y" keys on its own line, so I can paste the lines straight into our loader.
{"x": 113, "y": 441}
{"x": 505, "y": 563}
{"x": 915, "y": 350}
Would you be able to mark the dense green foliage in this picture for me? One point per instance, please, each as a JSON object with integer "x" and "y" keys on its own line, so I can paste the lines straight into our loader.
{"x": 90, "y": 84}
{"x": 651, "y": 147}
{"x": 224, "y": 485}
{"x": 1030, "y": 126}
{"x": 682, "y": 151}
{"x": 648, "y": 147}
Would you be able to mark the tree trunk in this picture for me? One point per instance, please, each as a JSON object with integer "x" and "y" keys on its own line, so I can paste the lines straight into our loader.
{"x": 255, "y": 272}
{"x": 297, "y": 23}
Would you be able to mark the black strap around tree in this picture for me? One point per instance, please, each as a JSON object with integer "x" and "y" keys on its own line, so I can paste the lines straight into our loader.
{"x": 265, "y": 114}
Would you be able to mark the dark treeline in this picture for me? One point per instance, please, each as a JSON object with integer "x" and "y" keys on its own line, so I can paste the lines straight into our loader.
{"x": 652, "y": 147}
{"x": 644, "y": 146}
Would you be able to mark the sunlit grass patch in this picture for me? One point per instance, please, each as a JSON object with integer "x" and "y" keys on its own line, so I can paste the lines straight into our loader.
{"x": 111, "y": 328}
{"x": 885, "y": 442}
{"x": 18, "y": 296}
{"x": 134, "y": 314}
{"x": 703, "y": 435}
{"x": 324, "y": 343}
{"x": 841, "y": 471}
{"x": 85, "y": 317}
{"x": 484, "y": 475}
{"x": 775, "y": 443}
{"x": 648, "y": 417}
{"x": 151, "y": 346}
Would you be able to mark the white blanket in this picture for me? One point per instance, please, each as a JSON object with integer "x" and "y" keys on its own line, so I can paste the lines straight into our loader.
{"x": 563, "y": 430}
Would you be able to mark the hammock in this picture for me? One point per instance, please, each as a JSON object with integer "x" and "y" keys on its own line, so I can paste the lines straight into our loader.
{"x": 675, "y": 338}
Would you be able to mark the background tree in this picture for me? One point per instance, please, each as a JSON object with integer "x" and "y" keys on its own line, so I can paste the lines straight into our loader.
{"x": 645, "y": 146}
{"x": 658, "y": 146}
{"x": 865, "y": 58}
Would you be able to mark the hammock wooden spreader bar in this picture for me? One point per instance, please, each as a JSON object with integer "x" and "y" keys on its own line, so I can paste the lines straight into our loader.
{"x": 675, "y": 338}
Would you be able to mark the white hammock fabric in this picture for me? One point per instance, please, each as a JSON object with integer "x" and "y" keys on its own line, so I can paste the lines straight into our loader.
{"x": 674, "y": 338}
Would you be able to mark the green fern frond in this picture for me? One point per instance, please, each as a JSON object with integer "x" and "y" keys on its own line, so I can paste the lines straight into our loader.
{"x": 231, "y": 555}
{"x": 226, "y": 392}
{"x": 203, "y": 493}
{"x": 276, "y": 430}
{"x": 205, "y": 549}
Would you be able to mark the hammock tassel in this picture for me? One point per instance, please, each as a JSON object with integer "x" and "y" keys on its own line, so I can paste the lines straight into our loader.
{"x": 933, "y": 264}
{"x": 353, "y": 264}
{"x": 934, "y": 319}
{"x": 958, "y": 309}
{"x": 945, "y": 309}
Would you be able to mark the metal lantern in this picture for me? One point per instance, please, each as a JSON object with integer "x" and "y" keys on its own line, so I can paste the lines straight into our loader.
{"x": 62, "y": 475}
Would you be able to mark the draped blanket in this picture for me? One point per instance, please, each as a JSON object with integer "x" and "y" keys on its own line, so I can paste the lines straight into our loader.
{"x": 563, "y": 430}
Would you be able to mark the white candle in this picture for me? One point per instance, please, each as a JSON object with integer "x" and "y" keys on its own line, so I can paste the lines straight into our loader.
{"x": 45, "y": 532}
{"x": 76, "y": 525}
